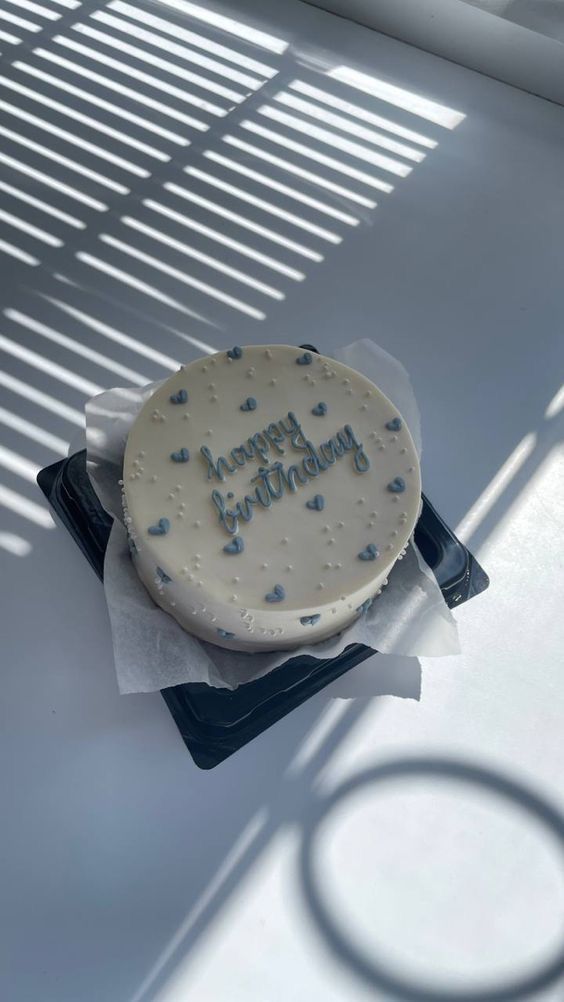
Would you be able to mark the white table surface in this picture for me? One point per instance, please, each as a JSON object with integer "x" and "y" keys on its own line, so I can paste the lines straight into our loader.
{"x": 127, "y": 874}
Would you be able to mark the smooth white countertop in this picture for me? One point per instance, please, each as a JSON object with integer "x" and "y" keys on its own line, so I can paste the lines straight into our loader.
{"x": 127, "y": 874}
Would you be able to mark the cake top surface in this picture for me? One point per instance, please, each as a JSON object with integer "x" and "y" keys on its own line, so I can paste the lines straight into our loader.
{"x": 269, "y": 475}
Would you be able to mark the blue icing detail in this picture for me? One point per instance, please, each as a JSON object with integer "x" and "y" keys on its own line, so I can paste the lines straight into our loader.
{"x": 397, "y": 485}
{"x": 163, "y": 576}
{"x": 365, "y": 606}
{"x": 316, "y": 503}
{"x": 304, "y": 359}
{"x": 230, "y": 495}
{"x": 235, "y": 352}
{"x": 370, "y": 552}
{"x": 249, "y": 404}
{"x": 236, "y": 545}
{"x": 160, "y": 529}
{"x": 320, "y": 409}
{"x": 225, "y": 634}
{"x": 394, "y": 425}
{"x": 181, "y": 397}
{"x": 274, "y": 480}
{"x": 310, "y": 620}
{"x": 182, "y": 456}
{"x": 278, "y": 594}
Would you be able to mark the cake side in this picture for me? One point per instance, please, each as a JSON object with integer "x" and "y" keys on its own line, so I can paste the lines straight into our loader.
{"x": 268, "y": 493}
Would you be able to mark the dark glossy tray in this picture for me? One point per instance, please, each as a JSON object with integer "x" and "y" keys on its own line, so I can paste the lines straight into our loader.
{"x": 214, "y": 723}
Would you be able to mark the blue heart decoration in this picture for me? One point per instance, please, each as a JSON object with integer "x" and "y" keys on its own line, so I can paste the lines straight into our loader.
{"x": 235, "y": 546}
{"x": 182, "y": 456}
{"x": 365, "y": 606}
{"x": 179, "y": 398}
{"x": 316, "y": 503}
{"x": 320, "y": 409}
{"x": 225, "y": 633}
{"x": 304, "y": 359}
{"x": 310, "y": 620}
{"x": 160, "y": 529}
{"x": 249, "y": 404}
{"x": 163, "y": 576}
{"x": 277, "y": 594}
{"x": 369, "y": 552}
{"x": 397, "y": 485}
{"x": 394, "y": 425}
{"x": 235, "y": 352}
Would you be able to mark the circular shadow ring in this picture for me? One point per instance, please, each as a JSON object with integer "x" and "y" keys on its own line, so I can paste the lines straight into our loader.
{"x": 377, "y": 975}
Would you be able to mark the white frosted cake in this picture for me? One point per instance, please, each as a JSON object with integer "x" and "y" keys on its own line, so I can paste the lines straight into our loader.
{"x": 268, "y": 491}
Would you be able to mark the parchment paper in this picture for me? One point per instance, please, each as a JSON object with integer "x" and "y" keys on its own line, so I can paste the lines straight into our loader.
{"x": 152, "y": 651}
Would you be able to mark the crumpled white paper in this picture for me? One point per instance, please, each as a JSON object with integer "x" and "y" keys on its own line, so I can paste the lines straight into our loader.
{"x": 152, "y": 651}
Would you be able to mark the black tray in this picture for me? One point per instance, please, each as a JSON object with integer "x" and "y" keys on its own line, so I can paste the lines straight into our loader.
{"x": 214, "y": 723}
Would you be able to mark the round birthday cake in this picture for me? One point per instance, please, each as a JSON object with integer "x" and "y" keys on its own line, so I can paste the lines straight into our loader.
{"x": 268, "y": 491}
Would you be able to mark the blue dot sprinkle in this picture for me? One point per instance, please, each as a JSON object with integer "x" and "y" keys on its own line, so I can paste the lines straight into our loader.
{"x": 394, "y": 425}
{"x": 181, "y": 397}
{"x": 310, "y": 620}
{"x": 249, "y": 404}
{"x": 160, "y": 529}
{"x": 397, "y": 485}
{"x": 182, "y": 456}
{"x": 320, "y": 409}
{"x": 370, "y": 552}
{"x": 278, "y": 594}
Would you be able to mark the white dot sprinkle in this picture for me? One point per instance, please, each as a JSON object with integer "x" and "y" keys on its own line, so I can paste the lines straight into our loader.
{"x": 268, "y": 353}
{"x": 327, "y": 565}
{"x": 211, "y": 386}
{"x": 170, "y": 495}
{"x": 330, "y": 541}
{"x": 368, "y": 393}
{"x": 338, "y": 566}
{"x": 284, "y": 539}
{"x": 403, "y": 451}
{"x": 321, "y": 586}
{"x": 272, "y": 382}
{"x": 361, "y": 501}
{"x": 154, "y": 478}
{"x": 289, "y": 567}
{"x": 209, "y": 432}
{"x": 213, "y": 398}
{"x": 264, "y": 566}
{"x": 197, "y": 523}
{"x": 340, "y": 525}
{"x": 393, "y": 438}
{"x": 235, "y": 580}
{"x": 349, "y": 392}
